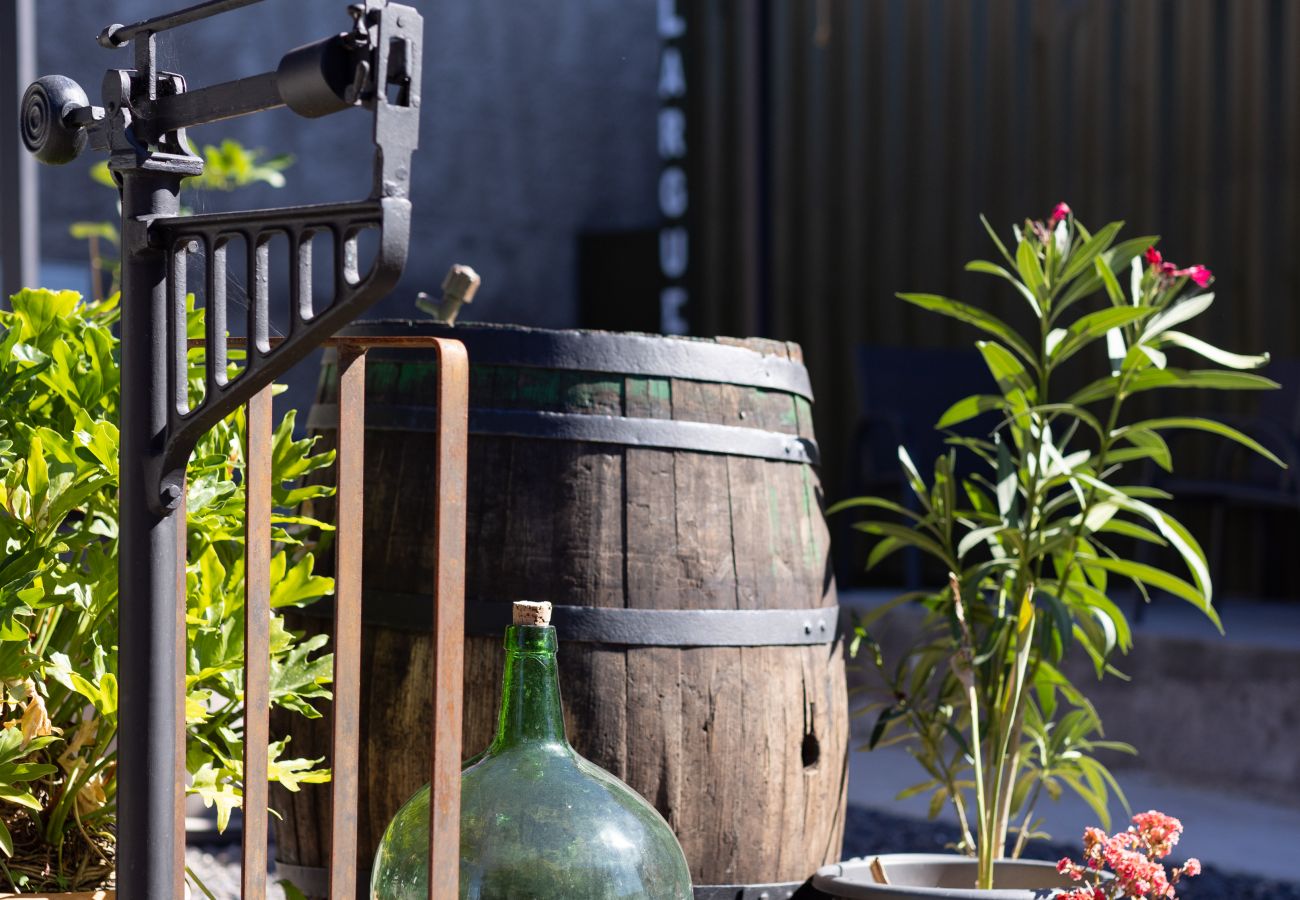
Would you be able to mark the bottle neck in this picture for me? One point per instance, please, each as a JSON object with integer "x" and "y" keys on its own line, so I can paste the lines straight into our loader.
{"x": 531, "y": 711}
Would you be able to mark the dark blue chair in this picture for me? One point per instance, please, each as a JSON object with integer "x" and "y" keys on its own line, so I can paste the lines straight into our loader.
{"x": 902, "y": 393}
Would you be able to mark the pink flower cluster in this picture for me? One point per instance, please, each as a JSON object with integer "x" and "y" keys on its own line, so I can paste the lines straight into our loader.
{"x": 1132, "y": 856}
{"x": 1168, "y": 271}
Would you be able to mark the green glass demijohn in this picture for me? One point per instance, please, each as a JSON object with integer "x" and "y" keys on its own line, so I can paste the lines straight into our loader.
{"x": 538, "y": 822}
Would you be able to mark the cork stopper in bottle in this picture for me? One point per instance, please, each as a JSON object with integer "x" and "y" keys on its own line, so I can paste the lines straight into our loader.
{"x": 526, "y": 612}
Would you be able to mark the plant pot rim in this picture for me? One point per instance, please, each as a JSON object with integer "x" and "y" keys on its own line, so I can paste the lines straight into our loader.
{"x": 852, "y": 879}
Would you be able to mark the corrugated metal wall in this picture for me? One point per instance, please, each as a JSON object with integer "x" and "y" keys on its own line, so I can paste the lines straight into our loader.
{"x": 889, "y": 125}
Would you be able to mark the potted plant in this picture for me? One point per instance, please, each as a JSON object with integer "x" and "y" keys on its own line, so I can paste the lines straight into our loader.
{"x": 1030, "y": 535}
{"x": 58, "y": 596}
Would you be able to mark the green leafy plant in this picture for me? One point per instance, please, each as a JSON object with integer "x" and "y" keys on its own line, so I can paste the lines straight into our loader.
{"x": 226, "y": 167}
{"x": 58, "y": 595}
{"x": 1029, "y": 538}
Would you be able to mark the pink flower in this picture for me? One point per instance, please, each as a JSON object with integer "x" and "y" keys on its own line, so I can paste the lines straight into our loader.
{"x": 1157, "y": 831}
{"x": 1060, "y": 212}
{"x": 1198, "y": 274}
{"x": 1153, "y": 257}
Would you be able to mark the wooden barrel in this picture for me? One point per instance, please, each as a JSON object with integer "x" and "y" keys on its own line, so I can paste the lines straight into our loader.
{"x": 662, "y": 492}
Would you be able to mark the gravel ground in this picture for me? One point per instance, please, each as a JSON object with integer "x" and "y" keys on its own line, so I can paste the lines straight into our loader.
{"x": 217, "y": 868}
{"x": 868, "y": 831}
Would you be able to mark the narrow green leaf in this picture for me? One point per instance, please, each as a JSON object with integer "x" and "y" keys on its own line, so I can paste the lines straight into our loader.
{"x": 1002, "y": 248}
{"x": 1031, "y": 271}
{"x": 1117, "y": 259}
{"x": 1209, "y": 425}
{"x": 1176, "y": 315}
{"x": 1092, "y": 326}
{"x": 905, "y": 535}
{"x": 1083, "y": 257}
{"x": 914, "y": 479}
{"x": 968, "y": 408}
{"x": 1181, "y": 379}
{"x": 1006, "y": 369}
{"x": 1214, "y": 354}
{"x": 987, "y": 268}
{"x": 1158, "y": 578}
{"x": 873, "y": 502}
{"x": 972, "y": 315}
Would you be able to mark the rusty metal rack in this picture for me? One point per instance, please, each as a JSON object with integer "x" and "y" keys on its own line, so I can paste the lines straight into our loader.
{"x": 375, "y": 66}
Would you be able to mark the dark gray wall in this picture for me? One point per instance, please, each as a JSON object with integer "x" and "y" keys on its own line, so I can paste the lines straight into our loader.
{"x": 538, "y": 123}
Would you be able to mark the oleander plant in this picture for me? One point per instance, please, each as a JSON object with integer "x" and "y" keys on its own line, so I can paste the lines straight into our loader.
{"x": 1032, "y": 517}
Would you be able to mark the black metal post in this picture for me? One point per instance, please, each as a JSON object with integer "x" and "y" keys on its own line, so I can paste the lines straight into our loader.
{"x": 142, "y": 123}
{"x": 147, "y": 559}
{"x": 19, "y": 212}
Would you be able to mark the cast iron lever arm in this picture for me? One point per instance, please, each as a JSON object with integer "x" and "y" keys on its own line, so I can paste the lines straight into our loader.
{"x": 117, "y": 35}
{"x": 265, "y": 360}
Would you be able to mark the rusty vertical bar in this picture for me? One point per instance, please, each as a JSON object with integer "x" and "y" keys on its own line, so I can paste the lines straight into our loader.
{"x": 178, "y": 811}
{"x": 347, "y": 623}
{"x": 450, "y": 476}
{"x": 257, "y": 642}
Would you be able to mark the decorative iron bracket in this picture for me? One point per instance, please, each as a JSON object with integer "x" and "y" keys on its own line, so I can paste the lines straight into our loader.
{"x": 142, "y": 125}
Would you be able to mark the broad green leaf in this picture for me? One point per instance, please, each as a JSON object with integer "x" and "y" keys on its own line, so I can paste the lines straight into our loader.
{"x": 1214, "y": 354}
{"x": 215, "y": 790}
{"x": 972, "y": 315}
{"x": 298, "y": 586}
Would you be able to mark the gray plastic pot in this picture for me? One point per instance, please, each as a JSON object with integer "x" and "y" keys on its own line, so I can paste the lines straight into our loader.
{"x": 916, "y": 875}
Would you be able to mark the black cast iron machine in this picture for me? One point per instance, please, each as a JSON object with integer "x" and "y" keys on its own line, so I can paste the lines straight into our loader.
{"x": 374, "y": 65}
